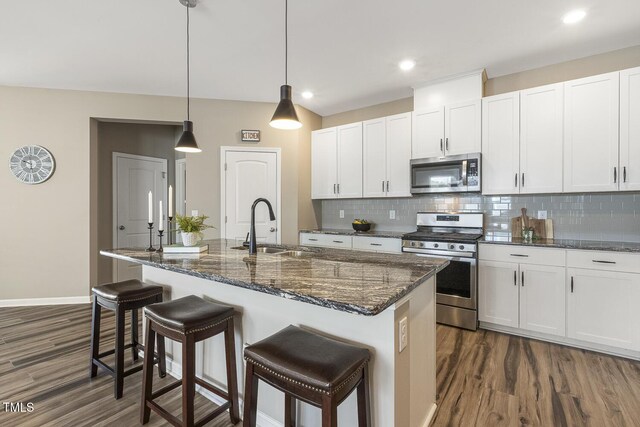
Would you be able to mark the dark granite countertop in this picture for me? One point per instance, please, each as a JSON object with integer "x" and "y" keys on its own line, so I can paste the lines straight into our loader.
{"x": 347, "y": 232}
{"x": 346, "y": 280}
{"x": 592, "y": 245}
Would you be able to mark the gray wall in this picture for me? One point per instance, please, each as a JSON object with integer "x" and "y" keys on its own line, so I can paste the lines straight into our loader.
{"x": 611, "y": 217}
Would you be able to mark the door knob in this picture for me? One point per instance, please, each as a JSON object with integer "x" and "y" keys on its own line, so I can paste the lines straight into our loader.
{"x": 121, "y": 227}
{"x": 272, "y": 229}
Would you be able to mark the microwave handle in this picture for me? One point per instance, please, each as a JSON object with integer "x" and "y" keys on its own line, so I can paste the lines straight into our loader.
{"x": 464, "y": 172}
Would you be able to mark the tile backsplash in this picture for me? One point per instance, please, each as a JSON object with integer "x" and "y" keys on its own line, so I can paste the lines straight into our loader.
{"x": 609, "y": 217}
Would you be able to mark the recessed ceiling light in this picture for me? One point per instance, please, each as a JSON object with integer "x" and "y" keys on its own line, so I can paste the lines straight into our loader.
{"x": 407, "y": 65}
{"x": 307, "y": 94}
{"x": 574, "y": 16}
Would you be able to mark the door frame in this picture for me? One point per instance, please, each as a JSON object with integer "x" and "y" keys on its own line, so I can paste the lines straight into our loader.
{"x": 114, "y": 193}
{"x": 223, "y": 185}
{"x": 181, "y": 187}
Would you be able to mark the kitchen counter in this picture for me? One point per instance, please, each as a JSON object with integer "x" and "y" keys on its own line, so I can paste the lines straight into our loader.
{"x": 347, "y": 232}
{"x": 345, "y": 280}
{"x": 591, "y": 245}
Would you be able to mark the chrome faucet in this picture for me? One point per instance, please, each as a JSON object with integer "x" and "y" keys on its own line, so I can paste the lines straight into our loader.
{"x": 252, "y": 233}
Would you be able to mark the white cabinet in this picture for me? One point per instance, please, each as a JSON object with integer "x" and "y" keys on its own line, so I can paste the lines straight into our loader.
{"x": 542, "y": 299}
{"x": 591, "y": 133}
{"x": 603, "y": 307}
{"x": 326, "y": 240}
{"x": 449, "y": 130}
{"x": 498, "y": 293}
{"x": 500, "y": 143}
{"x": 541, "y": 139}
{"x": 630, "y": 129}
{"x": 377, "y": 244}
{"x": 386, "y": 156}
{"x": 336, "y": 162}
{"x": 362, "y": 243}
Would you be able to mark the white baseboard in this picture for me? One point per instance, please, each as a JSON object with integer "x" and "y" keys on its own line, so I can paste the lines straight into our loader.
{"x": 432, "y": 413}
{"x": 262, "y": 420}
{"x": 44, "y": 301}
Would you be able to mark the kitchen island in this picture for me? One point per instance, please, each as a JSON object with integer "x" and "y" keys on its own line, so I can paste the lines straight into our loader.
{"x": 353, "y": 296}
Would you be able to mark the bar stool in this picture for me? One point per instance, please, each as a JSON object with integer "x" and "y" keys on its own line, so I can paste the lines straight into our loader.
{"x": 306, "y": 366}
{"x": 189, "y": 320}
{"x": 120, "y": 297}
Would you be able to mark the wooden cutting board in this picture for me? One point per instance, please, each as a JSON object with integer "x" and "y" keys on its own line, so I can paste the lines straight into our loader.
{"x": 542, "y": 228}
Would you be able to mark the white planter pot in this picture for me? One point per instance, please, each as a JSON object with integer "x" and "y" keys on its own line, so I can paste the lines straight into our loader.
{"x": 190, "y": 239}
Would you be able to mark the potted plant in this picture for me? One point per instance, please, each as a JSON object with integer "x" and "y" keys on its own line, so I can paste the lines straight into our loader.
{"x": 191, "y": 228}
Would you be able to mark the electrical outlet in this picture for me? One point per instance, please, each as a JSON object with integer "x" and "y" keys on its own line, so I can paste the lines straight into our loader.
{"x": 392, "y": 214}
{"x": 542, "y": 214}
{"x": 194, "y": 212}
{"x": 403, "y": 334}
{"x": 341, "y": 213}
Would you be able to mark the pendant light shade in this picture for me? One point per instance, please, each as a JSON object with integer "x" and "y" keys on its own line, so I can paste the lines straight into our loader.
{"x": 285, "y": 116}
{"x": 187, "y": 142}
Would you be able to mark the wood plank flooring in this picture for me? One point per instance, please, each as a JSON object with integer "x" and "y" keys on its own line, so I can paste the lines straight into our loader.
{"x": 483, "y": 379}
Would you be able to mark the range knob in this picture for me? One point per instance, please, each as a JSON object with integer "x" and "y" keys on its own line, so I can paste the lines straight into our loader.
{"x": 435, "y": 245}
{"x": 413, "y": 243}
{"x": 452, "y": 246}
{"x": 461, "y": 247}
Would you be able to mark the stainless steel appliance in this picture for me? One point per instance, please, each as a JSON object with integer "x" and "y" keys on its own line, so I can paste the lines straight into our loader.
{"x": 451, "y": 174}
{"x": 452, "y": 236}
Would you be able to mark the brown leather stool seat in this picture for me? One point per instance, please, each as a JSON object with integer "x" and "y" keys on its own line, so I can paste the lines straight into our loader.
{"x": 120, "y": 297}
{"x": 310, "y": 367}
{"x": 189, "y": 320}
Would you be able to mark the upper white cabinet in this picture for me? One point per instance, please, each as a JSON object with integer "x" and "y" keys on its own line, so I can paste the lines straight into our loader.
{"x": 449, "y": 130}
{"x": 336, "y": 162}
{"x": 386, "y": 155}
{"x": 541, "y": 125}
{"x": 591, "y": 134}
{"x": 500, "y": 143}
{"x": 630, "y": 129}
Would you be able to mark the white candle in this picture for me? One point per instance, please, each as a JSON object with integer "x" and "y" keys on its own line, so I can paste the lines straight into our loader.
{"x": 170, "y": 202}
{"x": 150, "y": 208}
{"x": 160, "y": 218}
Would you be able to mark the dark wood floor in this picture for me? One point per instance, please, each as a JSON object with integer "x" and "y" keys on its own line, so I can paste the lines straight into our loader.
{"x": 484, "y": 378}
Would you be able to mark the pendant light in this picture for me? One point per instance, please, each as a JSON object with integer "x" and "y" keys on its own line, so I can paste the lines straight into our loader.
{"x": 187, "y": 142}
{"x": 285, "y": 116}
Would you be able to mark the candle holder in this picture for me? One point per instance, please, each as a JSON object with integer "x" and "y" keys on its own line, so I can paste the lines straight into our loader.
{"x": 160, "y": 232}
{"x": 150, "y": 248}
{"x": 169, "y": 229}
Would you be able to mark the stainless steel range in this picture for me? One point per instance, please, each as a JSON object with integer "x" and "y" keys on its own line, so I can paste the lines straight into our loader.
{"x": 452, "y": 236}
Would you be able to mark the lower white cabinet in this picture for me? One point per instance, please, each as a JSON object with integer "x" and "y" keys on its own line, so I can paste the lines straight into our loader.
{"x": 377, "y": 244}
{"x": 325, "y": 240}
{"x": 542, "y": 299}
{"x": 361, "y": 243}
{"x": 498, "y": 293}
{"x": 603, "y": 307}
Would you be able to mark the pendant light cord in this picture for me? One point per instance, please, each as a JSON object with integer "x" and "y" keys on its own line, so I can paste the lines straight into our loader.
{"x": 286, "y": 41}
{"x": 188, "y": 70}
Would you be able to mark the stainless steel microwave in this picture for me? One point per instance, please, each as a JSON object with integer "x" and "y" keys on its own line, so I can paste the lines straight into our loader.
{"x": 451, "y": 174}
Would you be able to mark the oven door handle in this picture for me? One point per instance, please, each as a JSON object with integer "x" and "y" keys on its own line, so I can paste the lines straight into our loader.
{"x": 450, "y": 258}
{"x": 440, "y": 254}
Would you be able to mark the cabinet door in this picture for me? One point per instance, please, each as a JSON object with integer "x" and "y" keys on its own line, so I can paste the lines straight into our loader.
{"x": 603, "y": 307}
{"x": 498, "y": 293}
{"x": 399, "y": 155}
{"x": 591, "y": 134}
{"x": 462, "y": 128}
{"x": 500, "y": 143}
{"x": 428, "y": 133}
{"x": 630, "y": 129}
{"x": 350, "y": 160}
{"x": 542, "y": 299}
{"x": 324, "y": 173}
{"x": 541, "y": 120}
{"x": 374, "y": 149}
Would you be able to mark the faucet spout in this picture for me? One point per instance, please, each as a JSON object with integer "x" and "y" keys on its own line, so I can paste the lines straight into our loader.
{"x": 252, "y": 233}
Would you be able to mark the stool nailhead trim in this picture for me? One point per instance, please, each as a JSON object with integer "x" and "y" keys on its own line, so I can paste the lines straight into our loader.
{"x": 226, "y": 319}
{"x": 130, "y": 299}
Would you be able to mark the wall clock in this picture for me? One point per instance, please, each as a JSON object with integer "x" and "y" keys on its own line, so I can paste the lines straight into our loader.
{"x": 32, "y": 164}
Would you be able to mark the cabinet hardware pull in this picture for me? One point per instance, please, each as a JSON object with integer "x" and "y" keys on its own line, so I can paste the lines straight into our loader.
{"x": 313, "y": 240}
{"x": 376, "y": 244}
{"x": 522, "y": 278}
{"x": 520, "y": 255}
{"x": 441, "y": 147}
{"x": 523, "y": 179}
{"x": 603, "y": 262}
{"x": 338, "y": 188}
{"x": 446, "y": 144}
{"x": 516, "y": 181}
{"x": 338, "y": 241}
{"x": 387, "y": 186}
{"x": 515, "y": 278}
{"x": 624, "y": 174}
{"x": 383, "y": 186}
{"x": 571, "y": 284}
{"x": 334, "y": 189}
{"x": 615, "y": 174}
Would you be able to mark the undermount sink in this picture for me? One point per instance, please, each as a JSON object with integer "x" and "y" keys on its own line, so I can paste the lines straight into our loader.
{"x": 264, "y": 250}
{"x": 294, "y": 254}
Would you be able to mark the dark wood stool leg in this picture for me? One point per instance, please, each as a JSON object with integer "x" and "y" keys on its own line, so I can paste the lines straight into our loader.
{"x": 188, "y": 380}
{"x": 147, "y": 374}
{"x": 134, "y": 334}
{"x": 119, "y": 355}
{"x": 162, "y": 359}
{"x": 364, "y": 403}
{"x": 95, "y": 335}
{"x": 289, "y": 410}
{"x": 250, "y": 397}
{"x": 232, "y": 376}
{"x": 329, "y": 411}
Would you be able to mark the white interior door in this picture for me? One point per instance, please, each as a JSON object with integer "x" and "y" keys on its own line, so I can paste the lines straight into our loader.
{"x": 181, "y": 192}
{"x": 134, "y": 176}
{"x": 250, "y": 175}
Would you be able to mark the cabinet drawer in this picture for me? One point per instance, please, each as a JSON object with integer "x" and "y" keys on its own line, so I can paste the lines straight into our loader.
{"x": 522, "y": 254}
{"x": 603, "y": 260}
{"x": 325, "y": 240}
{"x": 379, "y": 244}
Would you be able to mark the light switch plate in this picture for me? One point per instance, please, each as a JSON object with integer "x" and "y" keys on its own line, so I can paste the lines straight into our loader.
{"x": 194, "y": 213}
{"x": 341, "y": 213}
{"x": 542, "y": 214}
{"x": 403, "y": 334}
{"x": 392, "y": 214}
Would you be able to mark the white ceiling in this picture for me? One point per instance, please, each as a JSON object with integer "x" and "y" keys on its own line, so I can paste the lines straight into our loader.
{"x": 346, "y": 52}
